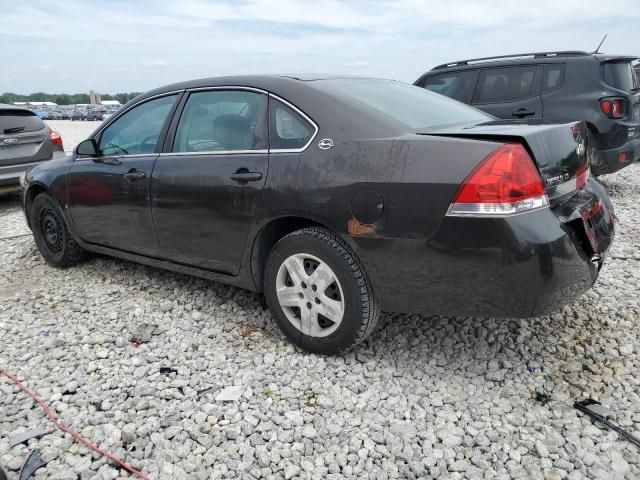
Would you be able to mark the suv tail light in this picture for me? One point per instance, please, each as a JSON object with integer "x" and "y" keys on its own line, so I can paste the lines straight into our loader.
{"x": 613, "y": 107}
{"x": 505, "y": 183}
{"x": 55, "y": 137}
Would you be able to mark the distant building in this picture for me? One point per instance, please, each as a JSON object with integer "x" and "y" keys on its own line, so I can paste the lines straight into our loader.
{"x": 109, "y": 102}
{"x": 36, "y": 104}
{"x": 94, "y": 97}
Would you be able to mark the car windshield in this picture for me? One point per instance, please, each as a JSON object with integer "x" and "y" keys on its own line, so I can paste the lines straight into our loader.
{"x": 415, "y": 107}
{"x": 621, "y": 75}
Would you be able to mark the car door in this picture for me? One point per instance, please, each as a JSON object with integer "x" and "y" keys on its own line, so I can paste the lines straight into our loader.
{"x": 207, "y": 183}
{"x": 109, "y": 194}
{"x": 510, "y": 92}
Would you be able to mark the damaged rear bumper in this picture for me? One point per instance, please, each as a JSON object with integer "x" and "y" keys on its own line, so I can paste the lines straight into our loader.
{"x": 518, "y": 266}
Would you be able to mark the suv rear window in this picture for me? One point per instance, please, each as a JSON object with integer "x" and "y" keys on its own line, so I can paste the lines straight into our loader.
{"x": 19, "y": 121}
{"x": 621, "y": 75}
{"x": 506, "y": 84}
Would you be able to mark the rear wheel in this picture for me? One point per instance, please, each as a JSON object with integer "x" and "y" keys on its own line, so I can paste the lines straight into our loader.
{"x": 318, "y": 292}
{"x": 51, "y": 234}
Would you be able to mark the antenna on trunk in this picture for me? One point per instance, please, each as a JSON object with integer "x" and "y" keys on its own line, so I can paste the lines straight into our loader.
{"x": 598, "y": 49}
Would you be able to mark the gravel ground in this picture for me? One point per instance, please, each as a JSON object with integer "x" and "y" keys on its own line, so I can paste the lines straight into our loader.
{"x": 121, "y": 352}
{"x": 72, "y": 132}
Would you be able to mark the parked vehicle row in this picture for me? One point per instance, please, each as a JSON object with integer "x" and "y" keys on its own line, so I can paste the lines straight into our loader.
{"x": 603, "y": 90}
{"x": 336, "y": 198}
{"x": 84, "y": 112}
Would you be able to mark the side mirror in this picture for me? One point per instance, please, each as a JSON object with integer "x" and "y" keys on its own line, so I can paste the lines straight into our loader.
{"x": 88, "y": 148}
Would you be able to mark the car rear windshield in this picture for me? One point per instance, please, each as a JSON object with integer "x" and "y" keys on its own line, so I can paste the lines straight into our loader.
{"x": 415, "y": 107}
{"x": 621, "y": 75}
{"x": 19, "y": 121}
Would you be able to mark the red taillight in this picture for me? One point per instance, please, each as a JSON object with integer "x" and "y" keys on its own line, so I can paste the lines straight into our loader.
{"x": 55, "y": 137}
{"x": 506, "y": 182}
{"x": 612, "y": 107}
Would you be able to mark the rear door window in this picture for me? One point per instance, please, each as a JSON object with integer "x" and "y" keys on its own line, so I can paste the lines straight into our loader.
{"x": 19, "y": 121}
{"x": 552, "y": 77}
{"x": 458, "y": 86}
{"x": 222, "y": 121}
{"x": 621, "y": 75}
{"x": 506, "y": 84}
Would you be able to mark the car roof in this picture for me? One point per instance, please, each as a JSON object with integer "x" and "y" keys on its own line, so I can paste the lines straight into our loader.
{"x": 6, "y": 106}
{"x": 527, "y": 58}
{"x": 270, "y": 82}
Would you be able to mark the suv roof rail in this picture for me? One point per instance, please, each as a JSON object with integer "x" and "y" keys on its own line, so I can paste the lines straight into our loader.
{"x": 564, "y": 53}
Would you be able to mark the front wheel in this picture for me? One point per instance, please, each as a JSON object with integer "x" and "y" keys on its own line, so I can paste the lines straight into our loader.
{"x": 319, "y": 292}
{"x": 51, "y": 234}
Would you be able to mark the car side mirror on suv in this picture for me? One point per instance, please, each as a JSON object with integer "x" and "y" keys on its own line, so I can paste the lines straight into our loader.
{"x": 88, "y": 148}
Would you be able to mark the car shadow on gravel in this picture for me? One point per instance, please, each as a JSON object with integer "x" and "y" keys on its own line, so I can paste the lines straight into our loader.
{"x": 9, "y": 203}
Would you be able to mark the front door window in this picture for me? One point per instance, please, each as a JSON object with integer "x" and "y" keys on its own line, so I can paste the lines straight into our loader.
{"x": 138, "y": 130}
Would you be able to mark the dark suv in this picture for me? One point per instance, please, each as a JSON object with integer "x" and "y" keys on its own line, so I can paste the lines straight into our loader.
{"x": 25, "y": 140}
{"x": 602, "y": 90}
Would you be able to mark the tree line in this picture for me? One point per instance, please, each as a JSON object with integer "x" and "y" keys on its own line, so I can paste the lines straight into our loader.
{"x": 64, "y": 98}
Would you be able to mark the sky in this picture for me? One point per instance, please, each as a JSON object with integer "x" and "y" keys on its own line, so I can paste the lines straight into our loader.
{"x": 111, "y": 46}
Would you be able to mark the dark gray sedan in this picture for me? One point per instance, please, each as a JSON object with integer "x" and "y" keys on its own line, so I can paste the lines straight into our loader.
{"x": 25, "y": 141}
{"x": 336, "y": 198}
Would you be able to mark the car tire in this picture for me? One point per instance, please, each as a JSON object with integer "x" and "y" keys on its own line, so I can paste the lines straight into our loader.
{"x": 51, "y": 234}
{"x": 311, "y": 273}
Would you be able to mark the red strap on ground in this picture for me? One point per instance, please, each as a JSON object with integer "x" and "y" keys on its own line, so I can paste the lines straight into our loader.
{"x": 53, "y": 418}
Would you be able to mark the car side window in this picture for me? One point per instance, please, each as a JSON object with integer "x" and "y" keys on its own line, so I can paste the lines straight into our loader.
{"x": 506, "y": 84}
{"x": 458, "y": 86}
{"x": 137, "y": 131}
{"x": 552, "y": 77}
{"x": 288, "y": 129}
{"x": 222, "y": 120}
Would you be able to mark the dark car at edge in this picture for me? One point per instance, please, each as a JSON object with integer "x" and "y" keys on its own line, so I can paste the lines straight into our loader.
{"x": 25, "y": 141}
{"x": 603, "y": 90}
{"x": 336, "y": 197}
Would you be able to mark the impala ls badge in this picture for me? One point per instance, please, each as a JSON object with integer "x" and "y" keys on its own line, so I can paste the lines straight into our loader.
{"x": 10, "y": 141}
{"x": 325, "y": 144}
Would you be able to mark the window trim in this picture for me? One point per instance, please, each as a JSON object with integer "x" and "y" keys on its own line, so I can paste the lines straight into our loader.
{"x": 536, "y": 84}
{"x": 169, "y": 138}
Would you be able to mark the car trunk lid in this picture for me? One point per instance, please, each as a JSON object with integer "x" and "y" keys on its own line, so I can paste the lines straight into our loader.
{"x": 559, "y": 150}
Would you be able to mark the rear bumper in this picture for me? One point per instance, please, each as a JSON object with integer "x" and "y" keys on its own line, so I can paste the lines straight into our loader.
{"x": 521, "y": 266}
{"x": 611, "y": 159}
{"x": 10, "y": 174}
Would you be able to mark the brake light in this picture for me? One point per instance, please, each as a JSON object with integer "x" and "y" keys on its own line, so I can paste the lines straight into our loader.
{"x": 613, "y": 107}
{"x": 505, "y": 183}
{"x": 55, "y": 137}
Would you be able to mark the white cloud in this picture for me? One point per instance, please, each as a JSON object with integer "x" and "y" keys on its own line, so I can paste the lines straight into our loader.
{"x": 390, "y": 38}
{"x": 157, "y": 63}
